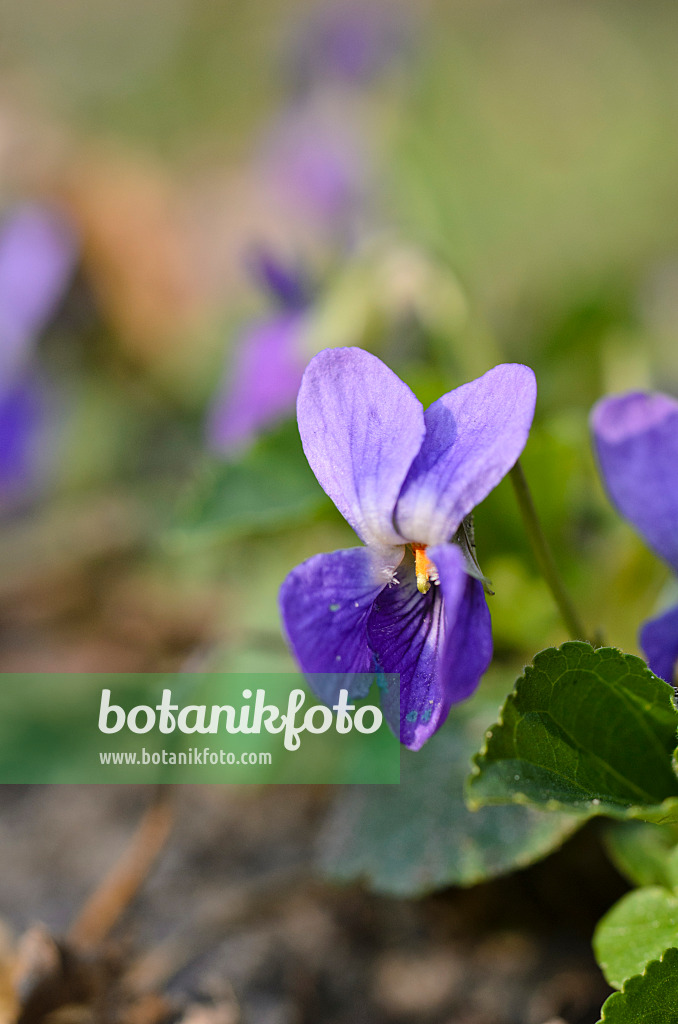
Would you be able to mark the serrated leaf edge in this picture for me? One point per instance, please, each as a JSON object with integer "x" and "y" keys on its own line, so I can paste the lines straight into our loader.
{"x": 635, "y": 981}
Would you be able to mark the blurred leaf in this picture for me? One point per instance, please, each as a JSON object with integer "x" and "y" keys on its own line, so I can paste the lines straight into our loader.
{"x": 419, "y": 836}
{"x": 586, "y": 731}
{"x": 638, "y": 929}
{"x": 644, "y": 854}
{"x": 648, "y": 998}
{"x": 270, "y": 486}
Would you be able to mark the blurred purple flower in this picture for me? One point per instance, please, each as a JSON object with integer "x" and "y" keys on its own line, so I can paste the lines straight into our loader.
{"x": 22, "y": 424}
{"x": 348, "y": 41}
{"x": 636, "y": 440}
{"x": 318, "y": 164}
{"x": 262, "y": 382}
{"x": 261, "y": 385}
{"x": 287, "y": 285}
{"x": 405, "y": 479}
{"x": 37, "y": 258}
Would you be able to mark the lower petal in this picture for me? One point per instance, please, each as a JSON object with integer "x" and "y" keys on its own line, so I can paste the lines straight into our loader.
{"x": 439, "y": 642}
{"x": 659, "y": 640}
{"x": 325, "y": 604}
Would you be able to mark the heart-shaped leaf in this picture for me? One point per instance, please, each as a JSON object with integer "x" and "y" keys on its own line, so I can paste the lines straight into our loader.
{"x": 587, "y": 731}
{"x": 419, "y": 836}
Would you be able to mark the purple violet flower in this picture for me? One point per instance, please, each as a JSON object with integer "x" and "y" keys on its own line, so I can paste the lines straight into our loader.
{"x": 405, "y": 479}
{"x": 23, "y": 421}
{"x": 287, "y": 284}
{"x": 350, "y": 42}
{"x": 318, "y": 165}
{"x": 37, "y": 257}
{"x": 636, "y": 440}
{"x": 263, "y": 379}
{"x": 261, "y": 385}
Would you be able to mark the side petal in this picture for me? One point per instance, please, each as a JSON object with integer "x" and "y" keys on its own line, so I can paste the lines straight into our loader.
{"x": 325, "y": 604}
{"x": 262, "y": 385}
{"x": 361, "y": 427}
{"x": 439, "y": 642}
{"x": 659, "y": 640}
{"x": 468, "y": 647}
{"x": 474, "y": 436}
{"x": 636, "y": 440}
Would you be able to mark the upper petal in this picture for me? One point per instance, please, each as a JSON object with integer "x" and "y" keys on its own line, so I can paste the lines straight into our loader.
{"x": 325, "y": 604}
{"x": 361, "y": 427}
{"x": 636, "y": 439}
{"x": 262, "y": 385}
{"x": 659, "y": 640}
{"x": 474, "y": 436}
{"x": 439, "y": 642}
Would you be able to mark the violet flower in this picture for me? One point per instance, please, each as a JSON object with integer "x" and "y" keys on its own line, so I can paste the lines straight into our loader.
{"x": 636, "y": 440}
{"x": 318, "y": 165}
{"x": 263, "y": 379}
{"x": 405, "y": 479}
{"x": 23, "y": 423}
{"x": 37, "y": 258}
{"x": 261, "y": 385}
{"x": 350, "y": 42}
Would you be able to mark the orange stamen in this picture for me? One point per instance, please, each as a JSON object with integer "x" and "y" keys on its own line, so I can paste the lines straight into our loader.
{"x": 423, "y": 568}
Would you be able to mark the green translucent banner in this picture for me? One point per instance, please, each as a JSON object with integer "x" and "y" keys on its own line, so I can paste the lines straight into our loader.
{"x": 198, "y": 728}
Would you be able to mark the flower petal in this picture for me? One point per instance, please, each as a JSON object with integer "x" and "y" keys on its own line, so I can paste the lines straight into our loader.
{"x": 636, "y": 439}
{"x": 439, "y": 642}
{"x": 468, "y": 649}
{"x": 474, "y": 436}
{"x": 659, "y": 640}
{"x": 360, "y": 426}
{"x": 262, "y": 385}
{"x": 405, "y": 630}
{"x": 325, "y": 604}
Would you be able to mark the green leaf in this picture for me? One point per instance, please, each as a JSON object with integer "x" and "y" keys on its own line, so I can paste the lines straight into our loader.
{"x": 644, "y": 854}
{"x": 587, "y": 731}
{"x": 270, "y": 486}
{"x": 648, "y": 998}
{"x": 410, "y": 839}
{"x": 638, "y": 929}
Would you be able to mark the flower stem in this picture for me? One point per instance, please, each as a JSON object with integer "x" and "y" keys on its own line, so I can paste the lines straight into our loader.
{"x": 544, "y": 555}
